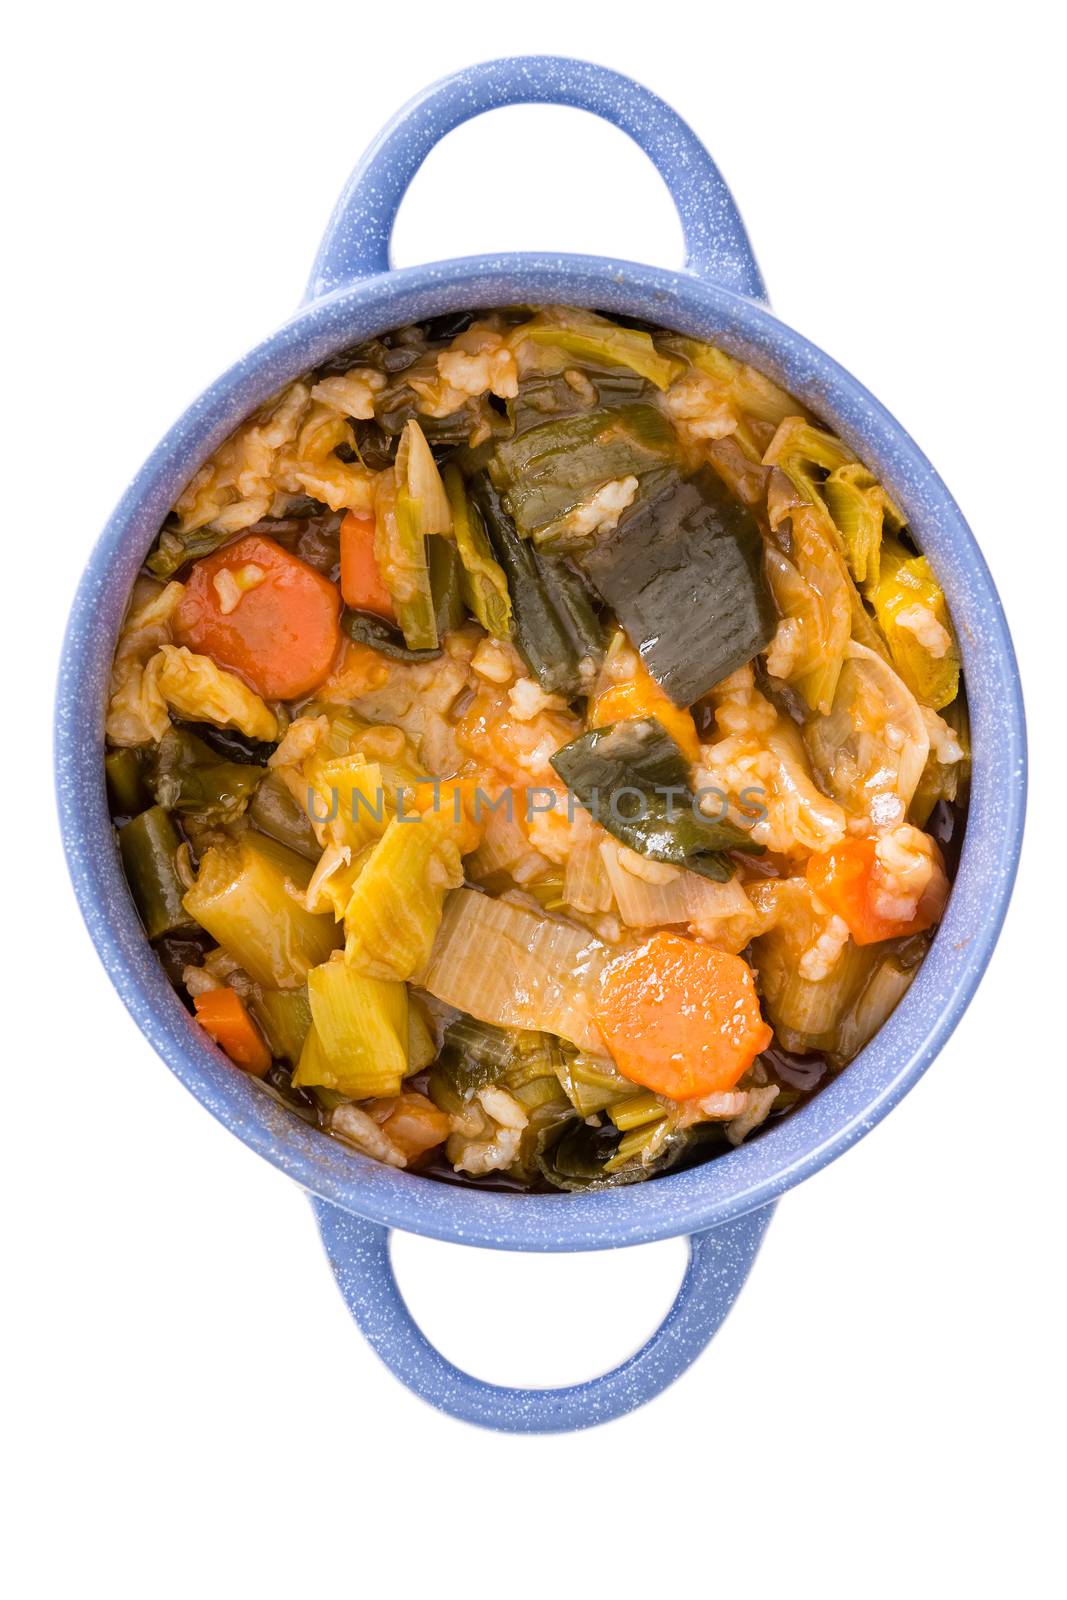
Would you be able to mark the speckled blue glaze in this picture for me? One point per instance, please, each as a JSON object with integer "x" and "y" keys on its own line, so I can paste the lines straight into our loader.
{"x": 726, "y": 1203}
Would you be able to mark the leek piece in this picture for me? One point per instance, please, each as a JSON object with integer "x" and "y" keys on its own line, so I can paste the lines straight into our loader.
{"x": 509, "y": 966}
{"x": 187, "y": 775}
{"x": 575, "y": 1156}
{"x": 485, "y": 588}
{"x": 549, "y": 471}
{"x": 422, "y": 1045}
{"x": 805, "y": 1012}
{"x": 534, "y": 1058}
{"x": 637, "y": 1112}
{"x": 396, "y": 904}
{"x": 583, "y": 336}
{"x": 798, "y": 446}
{"x": 634, "y": 780}
{"x": 285, "y": 1017}
{"x": 721, "y": 912}
{"x": 358, "y": 1041}
{"x": 858, "y": 504}
{"x": 878, "y": 999}
{"x": 943, "y": 780}
{"x": 586, "y": 886}
{"x": 406, "y": 518}
{"x": 743, "y": 387}
{"x": 274, "y": 812}
{"x": 926, "y": 654}
{"x": 542, "y": 395}
{"x": 637, "y": 1140}
{"x": 419, "y": 484}
{"x": 474, "y": 1055}
{"x": 400, "y": 550}
{"x": 683, "y": 573}
{"x": 540, "y": 1094}
{"x": 825, "y": 472}
{"x": 869, "y": 751}
{"x": 591, "y": 1083}
{"x": 148, "y": 846}
{"x": 249, "y": 897}
{"x": 553, "y": 631}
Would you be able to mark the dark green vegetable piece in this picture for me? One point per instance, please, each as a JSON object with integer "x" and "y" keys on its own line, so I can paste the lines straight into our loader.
{"x": 573, "y": 1157}
{"x": 148, "y": 846}
{"x": 125, "y": 783}
{"x": 187, "y": 775}
{"x": 232, "y": 745}
{"x": 473, "y": 1054}
{"x": 274, "y": 812}
{"x": 365, "y": 628}
{"x": 634, "y": 780}
{"x": 554, "y": 619}
{"x": 551, "y": 470}
{"x": 683, "y": 574}
{"x": 174, "y": 549}
{"x": 446, "y": 583}
{"x": 546, "y": 396}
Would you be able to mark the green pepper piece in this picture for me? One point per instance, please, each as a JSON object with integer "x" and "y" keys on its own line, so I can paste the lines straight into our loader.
{"x": 188, "y": 776}
{"x": 148, "y": 846}
{"x": 554, "y": 622}
{"x": 274, "y": 812}
{"x": 683, "y": 573}
{"x": 446, "y": 583}
{"x": 173, "y": 550}
{"x": 364, "y": 627}
{"x": 551, "y": 470}
{"x": 122, "y": 769}
{"x": 634, "y": 780}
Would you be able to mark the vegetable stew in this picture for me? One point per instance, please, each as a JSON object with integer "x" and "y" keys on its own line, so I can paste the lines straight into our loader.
{"x": 537, "y": 750}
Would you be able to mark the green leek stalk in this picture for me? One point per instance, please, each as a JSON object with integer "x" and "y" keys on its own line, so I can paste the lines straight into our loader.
{"x": 484, "y": 586}
{"x": 582, "y": 336}
{"x": 148, "y": 846}
{"x": 411, "y": 506}
{"x": 358, "y": 1041}
{"x": 122, "y": 769}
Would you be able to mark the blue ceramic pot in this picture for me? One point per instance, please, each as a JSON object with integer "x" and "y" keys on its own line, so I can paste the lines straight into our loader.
{"x": 723, "y": 1206}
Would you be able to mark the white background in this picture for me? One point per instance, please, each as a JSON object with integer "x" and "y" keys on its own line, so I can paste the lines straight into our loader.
{"x": 189, "y": 1409}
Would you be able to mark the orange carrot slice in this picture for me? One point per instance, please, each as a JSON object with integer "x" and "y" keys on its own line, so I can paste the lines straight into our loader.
{"x": 680, "y": 1018}
{"x": 264, "y": 614}
{"x": 223, "y": 1014}
{"x": 362, "y": 587}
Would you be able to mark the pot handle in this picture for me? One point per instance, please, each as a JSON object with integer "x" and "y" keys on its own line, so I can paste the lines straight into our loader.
{"x": 356, "y": 242}
{"x": 719, "y": 1263}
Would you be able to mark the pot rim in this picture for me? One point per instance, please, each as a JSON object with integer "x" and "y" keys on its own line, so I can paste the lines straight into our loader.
{"x": 846, "y": 1108}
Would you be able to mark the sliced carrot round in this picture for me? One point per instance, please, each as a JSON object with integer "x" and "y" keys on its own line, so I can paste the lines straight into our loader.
{"x": 264, "y": 614}
{"x": 681, "y": 1018}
